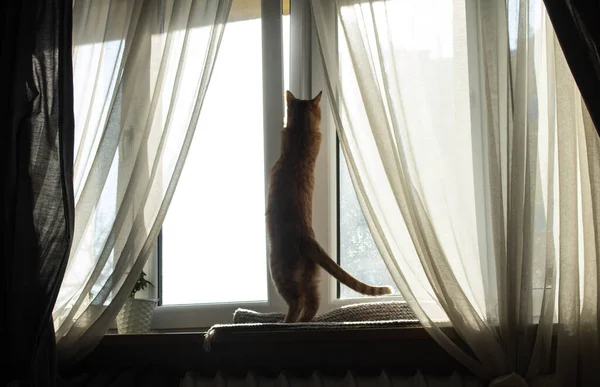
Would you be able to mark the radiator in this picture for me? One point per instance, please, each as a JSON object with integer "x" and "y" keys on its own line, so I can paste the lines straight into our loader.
{"x": 192, "y": 379}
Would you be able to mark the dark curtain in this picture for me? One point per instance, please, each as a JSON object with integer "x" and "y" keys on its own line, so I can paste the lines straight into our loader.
{"x": 577, "y": 26}
{"x": 36, "y": 158}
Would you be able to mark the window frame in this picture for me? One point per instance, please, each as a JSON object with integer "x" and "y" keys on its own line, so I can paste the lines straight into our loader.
{"x": 201, "y": 316}
{"x": 305, "y": 80}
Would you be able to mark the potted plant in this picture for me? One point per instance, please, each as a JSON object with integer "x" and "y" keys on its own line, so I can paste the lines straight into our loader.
{"x": 136, "y": 314}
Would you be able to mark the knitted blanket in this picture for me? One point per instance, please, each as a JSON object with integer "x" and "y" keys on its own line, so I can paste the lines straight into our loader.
{"x": 388, "y": 314}
{"x": 369, "y": 311}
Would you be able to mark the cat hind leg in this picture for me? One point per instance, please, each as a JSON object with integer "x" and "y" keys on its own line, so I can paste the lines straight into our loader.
{"x": 294, "y": 309}
{"x": 311, "y": 302}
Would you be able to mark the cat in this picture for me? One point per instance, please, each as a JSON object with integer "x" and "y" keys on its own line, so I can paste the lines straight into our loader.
{"x": 295, "y": 255}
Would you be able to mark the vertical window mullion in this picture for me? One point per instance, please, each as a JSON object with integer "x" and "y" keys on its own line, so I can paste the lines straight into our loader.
{"x": 301, "y": 49}
{"x": 272, "y": 63}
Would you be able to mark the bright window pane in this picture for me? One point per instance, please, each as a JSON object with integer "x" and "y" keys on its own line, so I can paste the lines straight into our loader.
{"x": 214, "y": 240}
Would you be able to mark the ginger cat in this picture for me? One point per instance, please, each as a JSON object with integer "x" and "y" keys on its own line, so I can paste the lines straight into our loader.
{"x": 295, "y": 253}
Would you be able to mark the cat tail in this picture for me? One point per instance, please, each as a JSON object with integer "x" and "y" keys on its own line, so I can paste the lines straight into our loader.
{"x": 311, "y": 249}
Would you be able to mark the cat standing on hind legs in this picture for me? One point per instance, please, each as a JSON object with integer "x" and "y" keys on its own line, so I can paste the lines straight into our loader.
{"x": 295, "y": 254}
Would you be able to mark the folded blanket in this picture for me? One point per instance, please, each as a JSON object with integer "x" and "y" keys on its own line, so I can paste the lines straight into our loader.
{"x": 389, "y": 314}
{"x": 369, "y": 311}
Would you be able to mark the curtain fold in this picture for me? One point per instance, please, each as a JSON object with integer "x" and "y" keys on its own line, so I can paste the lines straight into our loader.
{"x": 469, "y": 148}
{"x": 37, "y": 206}
{"x": 578, "y": 32}
{"x": 141, "y": 70}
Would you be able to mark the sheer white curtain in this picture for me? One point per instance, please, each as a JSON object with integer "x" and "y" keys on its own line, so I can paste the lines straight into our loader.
{"x": 476, "y": 165}
{"x": 141, "y": 70}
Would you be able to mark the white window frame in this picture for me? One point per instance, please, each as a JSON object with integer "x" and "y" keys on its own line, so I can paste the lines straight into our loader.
{"x": 305, "y": 80}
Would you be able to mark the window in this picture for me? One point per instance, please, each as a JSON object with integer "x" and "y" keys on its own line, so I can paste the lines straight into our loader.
{"x": 220, "y": 195}
{"x": 213, "y": 256}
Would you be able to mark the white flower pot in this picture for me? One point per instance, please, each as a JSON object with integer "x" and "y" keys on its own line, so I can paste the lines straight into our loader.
{"x": 136, "y": 316}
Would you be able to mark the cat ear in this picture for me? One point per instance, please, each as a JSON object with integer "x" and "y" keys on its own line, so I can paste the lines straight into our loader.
{"x": 289, "y": 97}
{"x": 317, "y": 99}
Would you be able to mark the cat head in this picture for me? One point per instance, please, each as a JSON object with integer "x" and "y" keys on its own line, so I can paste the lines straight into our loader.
{"x": 303, "y": 110}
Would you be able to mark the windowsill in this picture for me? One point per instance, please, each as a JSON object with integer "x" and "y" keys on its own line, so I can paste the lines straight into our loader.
{"x": 397, "y": 350}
